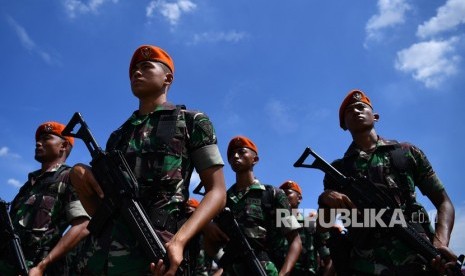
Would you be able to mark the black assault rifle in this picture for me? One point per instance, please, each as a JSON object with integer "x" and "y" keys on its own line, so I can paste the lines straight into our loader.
{"x": 365, "y": 195}
{"x": 120, "y": 187}
{"x": 9, "y": 235}
{"x": 237, "y": 246}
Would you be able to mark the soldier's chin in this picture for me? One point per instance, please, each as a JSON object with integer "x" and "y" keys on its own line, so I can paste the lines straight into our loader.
{"x": 39, "y": 158}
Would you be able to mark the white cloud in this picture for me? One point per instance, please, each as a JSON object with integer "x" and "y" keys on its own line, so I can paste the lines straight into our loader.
{"x": 390, "y": 13}
{"x": 429, "y": 62}
{"x": 13, "y": 182}
{"x": 23, "y": 36}
{"x": 171, "y": 11}
{"x": 5, "y": 152}
{"x": 278, "y": 114}
{"x": 448, "y": 16}
{"x": 75, "y": 7}
{"x": 213, "y": 37}
{"x": 29, "y": 44}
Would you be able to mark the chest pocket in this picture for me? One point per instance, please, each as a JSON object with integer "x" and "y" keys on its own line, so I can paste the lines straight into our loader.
{"x": 253, "y": 209}
{"x": 40, "y": 206}
{"x": 162, "y": 149}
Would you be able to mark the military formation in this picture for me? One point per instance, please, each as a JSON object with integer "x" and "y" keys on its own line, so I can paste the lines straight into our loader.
{"x": 252, "y": 228}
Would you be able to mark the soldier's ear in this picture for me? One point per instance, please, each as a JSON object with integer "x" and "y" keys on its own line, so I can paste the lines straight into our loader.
{"x": 65, "y": 144}
{"x": 256, "y": 159}
{"x": 376, "y": 116}
{"x": 169, "y": 78}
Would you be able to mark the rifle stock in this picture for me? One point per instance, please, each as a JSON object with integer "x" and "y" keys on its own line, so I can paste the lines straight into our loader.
{"x": 9, "y": 233}
{"x": 366, "y": 195}
{"x": 120, "y": 187}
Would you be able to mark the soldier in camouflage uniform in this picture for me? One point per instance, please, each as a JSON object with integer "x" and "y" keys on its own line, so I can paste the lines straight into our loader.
{"x": 162, "y": 143}
{"x": 398, "y": 168}
{"x": 258, "y": 222}
{"x": 203, "y": 262}
{"x": 314, "y": 249}
{"x": 46, "y": 206}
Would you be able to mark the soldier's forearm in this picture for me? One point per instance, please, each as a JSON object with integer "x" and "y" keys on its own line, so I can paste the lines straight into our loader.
{"x": 70, "y": 239}
{"x": 293, "y": 253}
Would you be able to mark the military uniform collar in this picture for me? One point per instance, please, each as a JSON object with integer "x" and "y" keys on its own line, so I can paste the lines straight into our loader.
{"x": 137, "y": 119}
{"x": 33, "y": 176}
{"x": 354, "y": 150}
{"x": 237, "y": 195}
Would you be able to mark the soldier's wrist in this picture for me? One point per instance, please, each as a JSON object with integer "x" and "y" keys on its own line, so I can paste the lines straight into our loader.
{"x": 45, "y": 262}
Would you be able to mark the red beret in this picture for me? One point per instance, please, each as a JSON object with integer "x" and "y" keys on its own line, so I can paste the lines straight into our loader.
{"x": 353, "y": 97}
{"x": 192, "y": 202}
{"x": 291, "y": 185}
{"x": 151, "y": 53}
{"x": 53, "y": 128}
{"x": 241, "y": 142}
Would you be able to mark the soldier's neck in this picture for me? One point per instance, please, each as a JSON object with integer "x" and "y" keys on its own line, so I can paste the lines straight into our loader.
{"x": 244, "y": 180}
{"x": 148, "y": 105}
{"x": 48, "y": 166}
{"x": 366, "y": 141}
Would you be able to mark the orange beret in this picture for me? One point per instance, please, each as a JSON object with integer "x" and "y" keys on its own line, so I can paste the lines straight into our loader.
{"x": 192, "y": 202}
{"x": 353, "y": 97}
{"x": 291, "y": 185}
{"x": 53, "y": 128}
{"x": 151, "y": 53}
{"x": 241, "y": 142}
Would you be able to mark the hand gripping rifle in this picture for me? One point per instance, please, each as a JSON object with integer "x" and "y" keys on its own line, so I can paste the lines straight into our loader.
{"x": 9, "y": 234}
{"x": 365, "y": 194}
{"x": 238, "y": 244}
{"x": 121, "y": 194}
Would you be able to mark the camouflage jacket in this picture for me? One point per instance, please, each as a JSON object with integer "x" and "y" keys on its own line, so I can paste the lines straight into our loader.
{"x": 378, "y": 251}
{"x": 162, "y": 148}
{"x": 258, "y": 222}
{"x": 313, "y": 248}
{"x": 43, "y": 209}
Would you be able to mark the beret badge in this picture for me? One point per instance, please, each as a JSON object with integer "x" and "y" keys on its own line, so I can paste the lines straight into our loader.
{"x": 48, "y": 128}
{"x": 145, "y": 52}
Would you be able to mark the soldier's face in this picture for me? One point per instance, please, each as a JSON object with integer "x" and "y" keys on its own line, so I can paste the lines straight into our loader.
{"x": 148, "y": 78}
{"x": 49, "y": 147}
{"x": 359, "y": 116}
{"x": 293, "y": 197}
{"x": 242, "y": 159}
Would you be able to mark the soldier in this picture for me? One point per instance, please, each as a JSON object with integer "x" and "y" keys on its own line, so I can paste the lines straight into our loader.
{"x": 397, "y": 168}
{"x": 314, "y": 249}
{"x": 254, "y": 206}
{"x": 203, "y": 262}
{"x": 162, "y": 143}
{"x": 47, "y": 205}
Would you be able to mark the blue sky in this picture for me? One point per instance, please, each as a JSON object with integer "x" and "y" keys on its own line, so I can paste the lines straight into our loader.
{"x": 273, "y": 71}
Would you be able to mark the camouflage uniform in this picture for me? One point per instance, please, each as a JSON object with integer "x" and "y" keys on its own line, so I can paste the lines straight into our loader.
{"x": 41, "y": 212}
{"x": 203, "y": 264}
{"x": 162, "y": 149}
{"x": 257, "y": 223}
{"x": 313, "y": 248}
{"x": 375, "y": 251}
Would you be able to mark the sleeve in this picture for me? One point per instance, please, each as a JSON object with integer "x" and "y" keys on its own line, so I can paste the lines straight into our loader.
{"x": 203, "y": 143}
{"x": 423, "y": 174}
{"x": 73, "y": 206}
